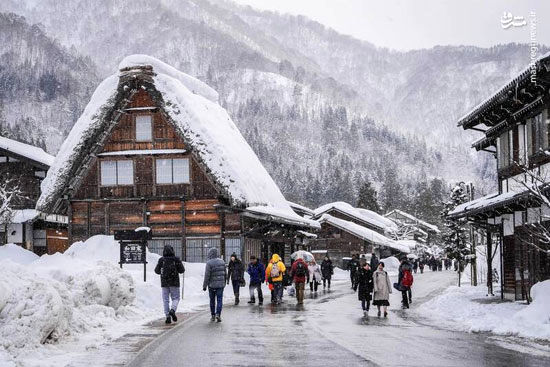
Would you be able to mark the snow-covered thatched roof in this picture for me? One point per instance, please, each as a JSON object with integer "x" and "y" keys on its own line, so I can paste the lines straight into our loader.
{"x": 191, "y": 106}
{"x": 363, "y": 215}
{"x": 363, "y": 233}
{"x": 26, "y": 150}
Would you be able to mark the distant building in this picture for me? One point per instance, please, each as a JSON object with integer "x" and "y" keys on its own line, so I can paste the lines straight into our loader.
{"x": 25, "y": 166}
{"x": 154, "y": 148}
{"x": 515, "y": 121}
{"x": 415, "y": 228}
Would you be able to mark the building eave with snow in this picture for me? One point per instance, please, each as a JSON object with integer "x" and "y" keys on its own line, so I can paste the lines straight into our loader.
{"x": 514, "y": 121}
{"x": 24, "y": 166}
{"x": 153, "y": 147}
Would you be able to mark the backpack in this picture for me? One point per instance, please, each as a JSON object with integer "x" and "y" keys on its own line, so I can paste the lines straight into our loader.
{"x": 169, "y": 269}
{"x": 407, "y": 280}
{"x": 300, "y": 269}
{"x": 275, "y": 270}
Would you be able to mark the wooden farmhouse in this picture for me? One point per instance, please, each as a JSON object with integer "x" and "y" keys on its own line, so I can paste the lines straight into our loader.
{"x": 23, "y": 167}
{"x": 154, "y": 148}
{"x": 414, "y": 228}
{"x": 346, "y": 230}
{"x": 515, "y": 121}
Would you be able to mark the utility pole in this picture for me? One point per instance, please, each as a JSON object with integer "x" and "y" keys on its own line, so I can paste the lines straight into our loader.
{"x": 473, "y": 267}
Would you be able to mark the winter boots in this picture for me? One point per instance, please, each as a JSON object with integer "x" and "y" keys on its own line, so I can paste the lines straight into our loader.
{"x": 252, "y": 301}
{"x": 168, "y": 320}
{"x": 236, "y": 300}
{"x": 172, "y": 314}
{"x": 218, "y": 318}
{"x": 213, "y": 318}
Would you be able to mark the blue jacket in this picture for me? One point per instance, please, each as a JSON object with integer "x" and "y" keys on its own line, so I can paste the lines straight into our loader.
{"x": 256, "y": 272}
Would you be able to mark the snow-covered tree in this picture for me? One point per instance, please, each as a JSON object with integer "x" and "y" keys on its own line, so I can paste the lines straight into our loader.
{"x": 455, "y": 239}
{"x": 368, "y": 197}
{"x": 9, "y": 193}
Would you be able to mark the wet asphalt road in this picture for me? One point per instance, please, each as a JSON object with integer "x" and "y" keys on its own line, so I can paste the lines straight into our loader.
{"x": 322, "y": 333}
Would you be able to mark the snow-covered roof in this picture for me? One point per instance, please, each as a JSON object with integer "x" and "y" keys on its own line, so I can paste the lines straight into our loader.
{"x": 301, "y": 208}
{"x": 502, "y": 91}
{"x": 364, "y": 215}
{"x": 411, "y": 244}
{"x": 411, "y": 217}
{"x": 204, "y": 125}
{"x": 26, "y": 150}
{"x": 484, "y": 202}
{"x": 362, "y": 232}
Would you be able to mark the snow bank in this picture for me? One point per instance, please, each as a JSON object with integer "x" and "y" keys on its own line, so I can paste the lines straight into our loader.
{"x": 16, "y": 254}
{"x": 391, "y": 265}
{"x": 469, "y": 309}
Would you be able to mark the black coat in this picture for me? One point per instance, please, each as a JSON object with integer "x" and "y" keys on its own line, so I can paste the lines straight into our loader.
{"x": 353, "y": 266}
{"x": 363, "y": 282}
{"x": 235, "y": 271}
{"x": 326, "y": 269}
{"x": 167, "y": 261}
{"x": 374, "y": 262}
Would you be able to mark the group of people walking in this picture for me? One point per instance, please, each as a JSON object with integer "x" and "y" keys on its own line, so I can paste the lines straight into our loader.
{"x": 368, "y": 279}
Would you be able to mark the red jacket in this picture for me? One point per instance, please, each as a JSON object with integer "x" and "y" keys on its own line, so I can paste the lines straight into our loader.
{"x": 296, "y": 278}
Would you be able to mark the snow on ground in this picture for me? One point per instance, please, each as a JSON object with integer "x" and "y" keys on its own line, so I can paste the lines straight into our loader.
{"x": 467, "y": 308}
{"x": 57, "y": 306}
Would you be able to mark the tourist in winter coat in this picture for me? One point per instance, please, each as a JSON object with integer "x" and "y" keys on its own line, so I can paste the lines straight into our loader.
{"x": 169, "y": 267}
{"x": 274, "y": 275}
{"x": 421, "y": 266}
{"x": 235, "y": 274}
{"x": 382, "y": 289}
{"x": 415, "y": 266}
{"x": 353, "y": 266}
{"x": 374, "y": 261}
{"x": 327, "y": 270}
{"x": 405, "y": 282}
{"x": 364, "y": 282}
{"x": 299, "y": 273}
{"x": 215, "y": 277}
{"x": 315, "y": 275}
{"x": 256, "y": 271}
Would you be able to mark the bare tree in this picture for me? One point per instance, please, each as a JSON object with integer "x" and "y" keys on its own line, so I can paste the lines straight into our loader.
{"x": 9, "y": 194}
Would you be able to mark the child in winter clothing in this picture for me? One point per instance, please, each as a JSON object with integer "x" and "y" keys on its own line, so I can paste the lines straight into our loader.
{"x": 169, "y": 267}
{"x": 382, "y": 289}
{"x": 256, "y": 271}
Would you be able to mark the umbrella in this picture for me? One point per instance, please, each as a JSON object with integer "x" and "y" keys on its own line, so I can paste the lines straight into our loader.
{"x": 301, "y": 254}
{"x": 412, "y": 256}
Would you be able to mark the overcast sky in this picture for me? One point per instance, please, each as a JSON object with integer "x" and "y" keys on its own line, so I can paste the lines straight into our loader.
{"x": 412, "y": 24}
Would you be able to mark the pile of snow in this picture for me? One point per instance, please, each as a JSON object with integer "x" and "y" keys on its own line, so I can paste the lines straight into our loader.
{"x": 80, "y": 294}
{"x": 16, "y": 254}
{"x": 391, "y": 265}
{"x": 466, "y": 308}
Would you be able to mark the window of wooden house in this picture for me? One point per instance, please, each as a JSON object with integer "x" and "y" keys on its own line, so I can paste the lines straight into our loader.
{"x": 522, "y": 149}
{"x": 117, "y": 173}
{"x": 144, "y": 128}
{"x": 503, "y": 148}
{"x": 172, "y": 171}
{"x": 538, "y": 131}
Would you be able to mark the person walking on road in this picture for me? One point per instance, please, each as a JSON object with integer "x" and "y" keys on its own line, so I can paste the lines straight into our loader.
{"x": 415, "y": 266}
{"x": 421, "y": 266}
{"x": 327, "y": 271}
{"x": 235, "y": 274}
{"x": 256, "y": 271}
{"x": 299, "y": 273}
{"x": 274, "y": 275}
{"x": 382, "y": 289}
{"x": 364, "y": 284}
{"x": 315, "y": 275}
{"x": 353, "y": 266}
{"x": 405, "y": 281}
{"x": 169, "y": 267}
{"x": 215, "y": 277}
{"x": 374, "y": 261}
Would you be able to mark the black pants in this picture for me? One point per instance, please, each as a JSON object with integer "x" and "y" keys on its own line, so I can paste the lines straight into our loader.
{"x": 256, "y": 286}
{"x": 325, "y": 280}
{"x": 352, "y": 277}
{"x": 365, "y": 304}
{"x": 405, "y": 298}
{"x": 313, "y": 284}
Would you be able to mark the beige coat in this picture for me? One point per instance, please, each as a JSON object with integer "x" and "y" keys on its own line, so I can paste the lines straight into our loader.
{"x": 382, "y": 285}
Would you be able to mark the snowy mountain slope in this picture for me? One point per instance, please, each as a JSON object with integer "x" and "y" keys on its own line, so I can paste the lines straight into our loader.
{"x": 279, "y": 75}
{"x": 43, "y": 87}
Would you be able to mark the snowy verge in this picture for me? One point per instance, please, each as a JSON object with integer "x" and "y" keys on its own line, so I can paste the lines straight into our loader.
{"x": 55, "y": 307}
{"x": 467, "y": 308}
